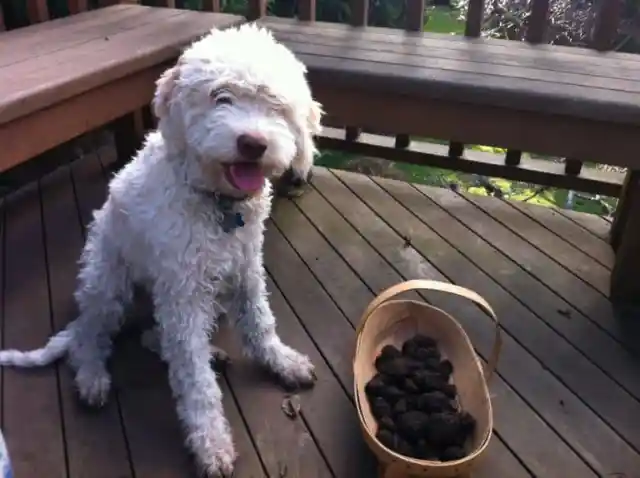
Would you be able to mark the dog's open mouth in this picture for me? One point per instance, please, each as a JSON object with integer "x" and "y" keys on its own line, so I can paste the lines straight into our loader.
{"x": 247, "y": 177}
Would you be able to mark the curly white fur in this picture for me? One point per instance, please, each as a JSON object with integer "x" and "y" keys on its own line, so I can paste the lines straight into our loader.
{"x": 161, "y": 227}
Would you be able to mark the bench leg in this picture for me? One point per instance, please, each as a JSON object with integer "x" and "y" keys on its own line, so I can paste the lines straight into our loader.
{"x": 128, "y": 135}
{"x": 625, "y": 240}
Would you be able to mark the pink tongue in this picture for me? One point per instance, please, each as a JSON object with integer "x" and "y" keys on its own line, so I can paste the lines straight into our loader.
{"x": 247, "y": 177}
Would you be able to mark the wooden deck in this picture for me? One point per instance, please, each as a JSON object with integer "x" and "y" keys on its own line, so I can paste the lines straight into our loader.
{"x": 566, "y": 398}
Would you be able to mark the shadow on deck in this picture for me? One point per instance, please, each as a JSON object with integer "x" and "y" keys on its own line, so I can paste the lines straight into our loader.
{"x": 566, "y": 398}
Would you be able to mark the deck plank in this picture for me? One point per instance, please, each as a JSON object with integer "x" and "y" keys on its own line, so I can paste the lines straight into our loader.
{"x": 564, "y": 384}
{"x": 569, "y": 231}
{"x": 596, "y": 225}
{"x": 571, "y": 418}
{"x": 561, "y": 252}
{"x": 599, "y": 347}
{"x": 274, "y": 434}
{"x": 31, "y": 405}
{"x": 332, "y": 334}
{"x": 313, "y": 249}
{"x": 96, "y": 443}
{"x": 574, "y": 291}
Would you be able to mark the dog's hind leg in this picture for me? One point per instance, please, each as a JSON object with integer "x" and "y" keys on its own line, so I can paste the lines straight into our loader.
{"x": 184, "y": 345}
{"x": 104, "y": 291}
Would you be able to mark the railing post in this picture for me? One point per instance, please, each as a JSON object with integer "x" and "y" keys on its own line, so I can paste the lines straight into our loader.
{"x": 414, "y": 22}
{"x": 211, "y": 5}
{"x": 256, "y": 9}
{"x": 472, "y": 29}
{"x": 359, "y": 12}
{"x": 625, "y": 239}
{"x": 307, "y": 10}
{"x": 37, "y": 11}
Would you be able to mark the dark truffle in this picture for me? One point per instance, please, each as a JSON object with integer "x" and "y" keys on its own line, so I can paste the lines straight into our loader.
{"x": 394, "y": 442}
{"x": 424, "y": 451}
{"x": 428, "y": 381}
{"x": 409, "y": 348}
{"x": 401, "y": 407}
{"x": 423, "y": 354}
{"x": 452, "y": 453}
{"x": 467, "y": 423}
{"x": 387, "y": 354}
{"x": 375, "y": 387}
{"x": 424, "y": 341}
{"x": 450, "y": 390}
{"x": 392, "y": 393}
{"x": 380, "y": 408}
{"x": 432, "y": 402}
{"x": 387, "y": 423}
{"x": 410, "y": 386}
{"x": 446, "y": 369}
{"x": 413, "y": 424}
{"x": 399, "y": 367}
{"x": 404, "y": 447}
{"x": 443, "y": 429}
{"x": 386, "y": 437}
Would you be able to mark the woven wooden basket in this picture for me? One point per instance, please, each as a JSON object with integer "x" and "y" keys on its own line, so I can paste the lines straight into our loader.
{"x": 387, "y": 321}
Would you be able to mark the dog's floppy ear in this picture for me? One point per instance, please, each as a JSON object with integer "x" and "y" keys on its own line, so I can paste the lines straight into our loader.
{"x": 303, "y": 161}
{"x": 164, "y": 90}
{"x": 314, "y": 117}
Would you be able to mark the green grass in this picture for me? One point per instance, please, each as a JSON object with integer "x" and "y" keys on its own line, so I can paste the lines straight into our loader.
{"x": 443, "y": 20}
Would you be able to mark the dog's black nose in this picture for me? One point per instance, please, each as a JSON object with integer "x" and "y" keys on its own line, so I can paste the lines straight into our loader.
{"x": 251, "y": 146}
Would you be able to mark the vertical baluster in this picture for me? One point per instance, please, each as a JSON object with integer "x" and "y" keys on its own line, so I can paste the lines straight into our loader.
{"x": 538, "y": 21}
{"x": 37, "y": 11}
{"x": 414, "y": 22}
{"x": 607, "y": 23}
{"x": 536, "y": 31}
{"x": 472, "y": 29}
{"x": 359, "y": 13}
{"x": 359, "y": 18}
{"x": 307, "y": 10}
{"x": 211, "y": 5}
{"x": 604, "y": 35}
{"x": 256, "y": 9}
{"x": 77, "y": 6}
{"x": 414, "y": 16}
{"x": 475, "y": 14}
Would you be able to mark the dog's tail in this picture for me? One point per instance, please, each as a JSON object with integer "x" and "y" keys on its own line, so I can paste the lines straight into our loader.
{"x": 55, "y": 348}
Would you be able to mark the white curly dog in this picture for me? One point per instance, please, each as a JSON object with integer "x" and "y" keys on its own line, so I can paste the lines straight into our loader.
{"x": 185, "y": 219}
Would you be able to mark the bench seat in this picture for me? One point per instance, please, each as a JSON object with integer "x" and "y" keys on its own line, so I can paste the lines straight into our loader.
{"x": 536, "y": 98}
{"x": 65, "y": 77}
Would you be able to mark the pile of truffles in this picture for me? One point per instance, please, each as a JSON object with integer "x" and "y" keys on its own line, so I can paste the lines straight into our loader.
{"x": 414, "y": 402}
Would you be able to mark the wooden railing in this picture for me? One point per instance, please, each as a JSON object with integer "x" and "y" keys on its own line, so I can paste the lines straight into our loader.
{"x": 512, "y": 165}
{"x": 569, "y": 174}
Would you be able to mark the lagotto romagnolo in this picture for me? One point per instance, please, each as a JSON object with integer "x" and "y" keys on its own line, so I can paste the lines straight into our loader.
{"x": 185, "y": 220}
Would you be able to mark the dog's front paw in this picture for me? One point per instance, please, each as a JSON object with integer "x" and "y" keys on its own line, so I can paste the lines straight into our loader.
{"x": 93, "y": 387}
{"x": 219, "y": 460}
{"x": 294, "y": 369}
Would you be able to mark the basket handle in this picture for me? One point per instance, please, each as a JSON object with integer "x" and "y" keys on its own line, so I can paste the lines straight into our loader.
{"x": 423, "y": 284}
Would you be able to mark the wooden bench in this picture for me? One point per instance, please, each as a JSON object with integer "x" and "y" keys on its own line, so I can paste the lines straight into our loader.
{"x": 559, "y": 101}
{"x": 62, "y": 78}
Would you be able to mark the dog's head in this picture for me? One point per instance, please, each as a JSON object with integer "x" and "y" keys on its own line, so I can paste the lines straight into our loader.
{"x": 238, "y": 105}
